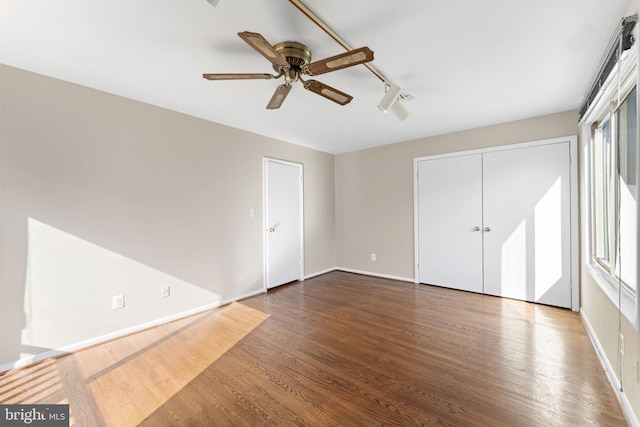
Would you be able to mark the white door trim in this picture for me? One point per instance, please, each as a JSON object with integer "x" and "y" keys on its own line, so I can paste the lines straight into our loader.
{"x": 265, "y": 225}
{"x": 574, "y": 231}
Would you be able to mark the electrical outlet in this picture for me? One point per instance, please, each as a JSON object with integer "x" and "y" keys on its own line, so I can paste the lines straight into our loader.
{"x": 165, "y": 291}
{"x": 117, "y": 302}
{"x": 621, "y": 344}
{"x": 373, "y": 257}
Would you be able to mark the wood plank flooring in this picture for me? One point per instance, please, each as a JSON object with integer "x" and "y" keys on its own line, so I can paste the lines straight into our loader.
{"x": 121, "y": 382}
{"x": 343, "y": 350}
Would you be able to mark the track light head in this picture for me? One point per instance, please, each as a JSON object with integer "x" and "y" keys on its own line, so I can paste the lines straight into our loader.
{"x": 399, "y": 111}
{"x": 391, "y": 102}
{"x": 213, "y": 2}
{"x": 389, "y": 98}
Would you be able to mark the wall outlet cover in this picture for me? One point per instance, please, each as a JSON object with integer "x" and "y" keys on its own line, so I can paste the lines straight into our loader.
{"x": 117, "y": 302}
{"x": 165, "y": 291}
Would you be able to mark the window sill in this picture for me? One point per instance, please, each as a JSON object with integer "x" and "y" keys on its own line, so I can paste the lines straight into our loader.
{"x": 621, "y": 299}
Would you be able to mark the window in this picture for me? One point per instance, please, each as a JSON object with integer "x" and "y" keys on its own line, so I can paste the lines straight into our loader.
{"x": 614, "y": 201}
{"x": 610, "y": 127}
{"x": 626, "y": 197}
{"x": 601, "y": 171}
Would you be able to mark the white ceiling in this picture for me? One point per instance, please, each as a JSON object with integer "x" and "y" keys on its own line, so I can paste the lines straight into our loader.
{"x": 467, "y": 63}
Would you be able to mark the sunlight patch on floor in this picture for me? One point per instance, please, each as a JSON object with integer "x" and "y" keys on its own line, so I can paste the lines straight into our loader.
{"x": 123, "y": 381}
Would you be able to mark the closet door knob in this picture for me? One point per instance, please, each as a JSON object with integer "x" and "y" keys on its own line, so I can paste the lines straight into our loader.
{"x": 487, "y": 229}
{"x": 476, "y": 228}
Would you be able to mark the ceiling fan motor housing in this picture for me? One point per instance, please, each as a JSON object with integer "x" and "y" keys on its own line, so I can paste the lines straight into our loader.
{"x": 296, "y": 54}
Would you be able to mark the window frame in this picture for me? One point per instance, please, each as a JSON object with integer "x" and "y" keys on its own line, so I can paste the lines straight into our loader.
{"x": 611, "y": 211}
{"x": 607, "y": 118}
{"x": 622, "y": 80}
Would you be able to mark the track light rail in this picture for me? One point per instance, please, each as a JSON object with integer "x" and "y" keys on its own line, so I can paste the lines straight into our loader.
{"x": 313, "y": 17}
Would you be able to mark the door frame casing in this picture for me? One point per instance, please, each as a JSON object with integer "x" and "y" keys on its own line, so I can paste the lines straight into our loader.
{"x": 265, "y": 215}
{"x": 574, "y": 206}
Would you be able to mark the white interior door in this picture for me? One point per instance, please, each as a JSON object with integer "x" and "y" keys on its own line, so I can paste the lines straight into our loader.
{"x": 283, "y": 222}
{"x": 450, "y": 220}
{"x": 527, "y": 247}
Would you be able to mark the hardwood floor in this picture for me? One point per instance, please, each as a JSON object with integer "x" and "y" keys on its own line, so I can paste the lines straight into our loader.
{"x": 340, "y": 350}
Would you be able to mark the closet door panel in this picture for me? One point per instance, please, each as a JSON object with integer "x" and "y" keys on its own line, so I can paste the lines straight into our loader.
{"x": 526, "y": 211}
{"x": 449, "y": 209}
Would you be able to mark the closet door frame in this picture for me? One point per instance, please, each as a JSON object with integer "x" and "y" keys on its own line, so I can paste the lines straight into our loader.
{"x": 574, "y": 231}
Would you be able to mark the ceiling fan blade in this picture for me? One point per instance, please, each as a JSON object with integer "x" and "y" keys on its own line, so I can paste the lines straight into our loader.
{"x": 265, "y": 49}
{"x": 278, "y": 97}
{"x": 328, "y": 92}
{"x": 243, "y": 76}
{"x": 344, "y": 60}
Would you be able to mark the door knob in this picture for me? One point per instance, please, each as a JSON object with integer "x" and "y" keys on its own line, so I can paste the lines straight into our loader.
{"x": 476, "y": 228}
{"x": 271, "y": 230}
{"x": 487, "y": 229}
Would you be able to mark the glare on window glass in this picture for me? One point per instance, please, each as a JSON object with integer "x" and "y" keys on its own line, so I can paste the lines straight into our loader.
{"x": 626, "y": 194}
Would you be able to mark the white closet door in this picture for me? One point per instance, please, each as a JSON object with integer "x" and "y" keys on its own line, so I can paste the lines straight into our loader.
{"x": 450, "y": 209}
{"x": 284, "y": 223}
{"x": 526, "y": 212}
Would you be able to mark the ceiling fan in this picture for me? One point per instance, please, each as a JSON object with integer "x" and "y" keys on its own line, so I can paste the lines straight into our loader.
{"x": 292, "y": 60}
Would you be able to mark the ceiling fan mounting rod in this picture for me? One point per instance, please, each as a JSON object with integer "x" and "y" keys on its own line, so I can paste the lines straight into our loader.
{"x": 324, "y": 27}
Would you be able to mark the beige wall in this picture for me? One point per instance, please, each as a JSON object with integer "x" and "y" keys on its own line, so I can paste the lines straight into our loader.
{"x": 374, "y": 190}
{"x": 101, "y": 195}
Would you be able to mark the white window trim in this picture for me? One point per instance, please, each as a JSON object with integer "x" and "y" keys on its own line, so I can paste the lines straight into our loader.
{"x": 628, "y": 304}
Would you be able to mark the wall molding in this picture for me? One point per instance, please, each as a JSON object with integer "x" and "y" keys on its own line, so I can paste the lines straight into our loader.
{"x": 71, "y": 348}
{"x": 68, "y": 349}
{"x": 319, "y": 273}
{"x": 610, "y": 372}
{"x": 369, "y": 273}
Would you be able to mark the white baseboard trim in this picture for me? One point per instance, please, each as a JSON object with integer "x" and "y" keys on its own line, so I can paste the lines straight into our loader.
{"x": 30, "y": 360}
{"x": 369, "y": 273}
{"x": 240, "y": 297}
{"x": 319, "y": 273}
{"x": 610, "y": 372}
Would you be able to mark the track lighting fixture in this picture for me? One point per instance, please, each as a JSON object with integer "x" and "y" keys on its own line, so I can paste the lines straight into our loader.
{"x": 399, "y": 111}
{"x": 213, "y": 2}
{"x": 389, "y": 98}
{"x": 391, "y": 102}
